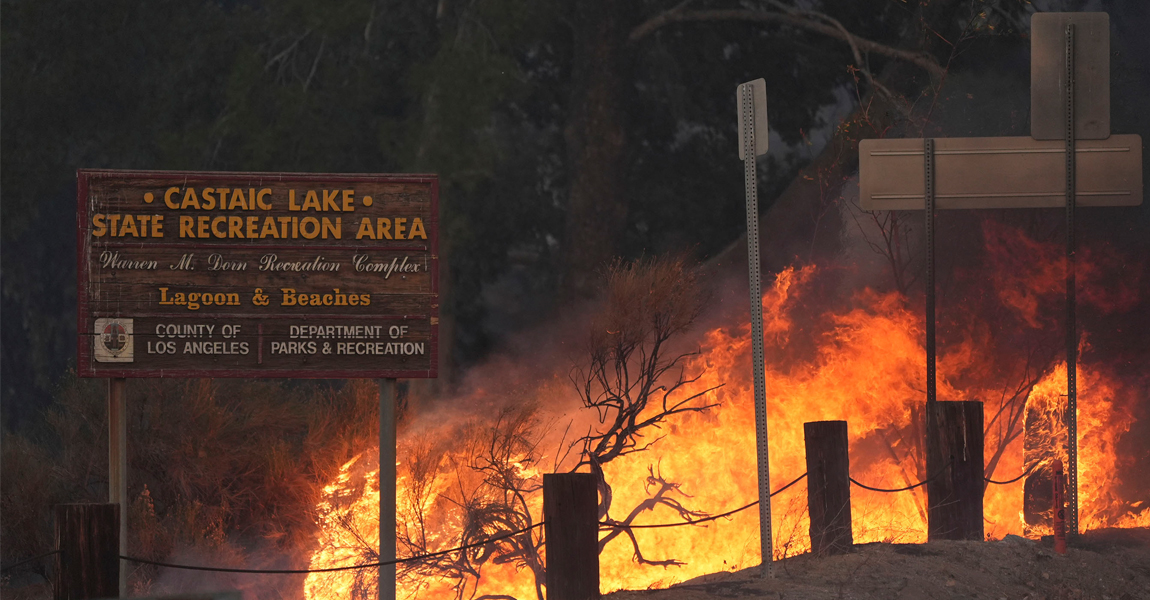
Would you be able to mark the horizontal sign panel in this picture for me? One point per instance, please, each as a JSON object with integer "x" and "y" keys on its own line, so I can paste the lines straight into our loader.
{"x": 257, "y": 275}
{"x": 999, "y": 172}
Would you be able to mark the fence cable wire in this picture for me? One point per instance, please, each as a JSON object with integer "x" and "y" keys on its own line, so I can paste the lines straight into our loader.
{"x": 902, "y": 489}
{"x": 608, "y": 525}
{"x": 420, "y": 557}
{"x": 1024, "y": 474}
{"x": 331, "y": 569}
{"x": 27, "y": 560}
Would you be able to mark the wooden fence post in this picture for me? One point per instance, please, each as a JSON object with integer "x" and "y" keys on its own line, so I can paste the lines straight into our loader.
{"x": 571, "y": 529}
{"x": 828, "y": 487}
{"x": 88, "y": 538}
{"x": 954, "y": 459}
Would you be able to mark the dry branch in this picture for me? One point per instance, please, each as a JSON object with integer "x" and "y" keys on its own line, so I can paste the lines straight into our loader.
{"x": 635, "y": 381}
{"x": 801, "y": 20}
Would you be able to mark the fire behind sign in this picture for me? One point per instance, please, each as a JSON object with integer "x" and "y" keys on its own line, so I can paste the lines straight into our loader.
{"x": 198, "y": 274}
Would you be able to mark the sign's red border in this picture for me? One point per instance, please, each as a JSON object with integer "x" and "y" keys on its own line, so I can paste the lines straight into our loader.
{"x": 84, "y": 348}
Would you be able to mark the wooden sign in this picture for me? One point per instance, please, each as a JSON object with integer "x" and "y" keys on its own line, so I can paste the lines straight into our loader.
{"x": 199, "y": 274}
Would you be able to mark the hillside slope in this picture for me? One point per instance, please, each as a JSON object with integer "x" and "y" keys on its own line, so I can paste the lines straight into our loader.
{"x": 1105, "y": 565}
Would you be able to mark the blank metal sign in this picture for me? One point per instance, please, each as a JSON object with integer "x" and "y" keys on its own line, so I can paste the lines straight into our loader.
{"x": 999, "y": 172}
{"x": 1091, "y": 75}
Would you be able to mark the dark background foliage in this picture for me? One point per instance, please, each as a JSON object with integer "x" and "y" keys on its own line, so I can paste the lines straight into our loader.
{"x": 481, "y": 93}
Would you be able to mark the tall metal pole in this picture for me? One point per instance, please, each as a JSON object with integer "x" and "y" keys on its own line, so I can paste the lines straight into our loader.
{"x": 1071, "y": 292}
{"x": 118, "y": 465}
{"x": 931, "y": 350}
{"x": 747, "y": 108}
{"x": 387, "y": 395}
{"x": 930, "y": 438}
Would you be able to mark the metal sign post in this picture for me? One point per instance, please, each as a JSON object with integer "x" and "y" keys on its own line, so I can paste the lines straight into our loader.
{"x": 752, "y": 102}
{"x": 928, "y": 176}
{"x": 1070, "y": 131}
{"x": 1071, "y": 52}
{"x": 1071, "y": 293}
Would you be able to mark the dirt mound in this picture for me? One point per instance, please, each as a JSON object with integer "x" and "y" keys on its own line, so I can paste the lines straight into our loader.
{"x": 1103, "y": 565}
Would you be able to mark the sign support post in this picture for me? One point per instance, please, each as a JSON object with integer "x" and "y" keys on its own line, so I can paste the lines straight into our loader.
{"x": 1071, "y": 293}
{"x": 928, "y": 177}
{"x": 118, "y": 466}
{"x": 387, "y": 397}
{"x": 931, "y": 347}
{"x": 752, "y": 97}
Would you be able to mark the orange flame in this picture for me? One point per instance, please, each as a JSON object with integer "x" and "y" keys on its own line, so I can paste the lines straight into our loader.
{"x": 862, "y": 363}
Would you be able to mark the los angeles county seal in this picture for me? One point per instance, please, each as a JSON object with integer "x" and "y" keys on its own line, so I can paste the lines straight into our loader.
{"x": 113, "y": 340}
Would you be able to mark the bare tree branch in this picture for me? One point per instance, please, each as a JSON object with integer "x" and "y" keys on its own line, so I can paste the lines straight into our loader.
{"x": 315, "y": 63}
{"x": 635, "y": 382}
{"x": 801, "y": 20}
{"x": 659, "y": 498}
{"x": 860, "y": 62}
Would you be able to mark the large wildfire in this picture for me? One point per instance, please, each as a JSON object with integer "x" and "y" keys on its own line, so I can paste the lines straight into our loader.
{"x": 834, "y": 351}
